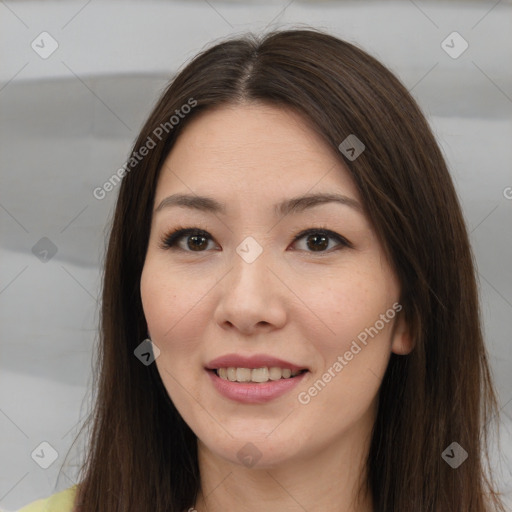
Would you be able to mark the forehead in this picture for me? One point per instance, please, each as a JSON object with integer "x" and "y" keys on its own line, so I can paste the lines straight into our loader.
{"x": 256, "y": 152}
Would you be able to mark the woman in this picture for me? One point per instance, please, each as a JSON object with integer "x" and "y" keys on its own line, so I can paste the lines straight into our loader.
{"x": 288, "y": 236}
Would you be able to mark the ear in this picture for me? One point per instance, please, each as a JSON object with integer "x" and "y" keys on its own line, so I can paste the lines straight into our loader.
{"x": 401, "y": 340}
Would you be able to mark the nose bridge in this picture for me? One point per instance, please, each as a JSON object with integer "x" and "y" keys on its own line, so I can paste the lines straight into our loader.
{"x": 251, "y": 293}
{"x": 250, "y": 266}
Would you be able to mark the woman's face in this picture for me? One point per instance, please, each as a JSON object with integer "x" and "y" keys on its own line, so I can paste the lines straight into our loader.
{"x": 248, "y": 292}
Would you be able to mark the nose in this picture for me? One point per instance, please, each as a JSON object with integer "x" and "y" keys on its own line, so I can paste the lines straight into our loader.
{"x": 251, "y": 297}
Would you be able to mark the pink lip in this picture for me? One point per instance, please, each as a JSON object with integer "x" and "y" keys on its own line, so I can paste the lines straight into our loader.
{"x": 254, "y": 393}
{"x": 254, "y": 361}
{"x": 250, "y": 392}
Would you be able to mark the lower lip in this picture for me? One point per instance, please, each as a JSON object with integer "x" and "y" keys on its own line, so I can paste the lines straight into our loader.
{"x": 254, "y": 393}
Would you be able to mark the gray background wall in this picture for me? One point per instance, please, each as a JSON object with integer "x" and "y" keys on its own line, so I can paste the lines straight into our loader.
{"x": 67, "y": 122}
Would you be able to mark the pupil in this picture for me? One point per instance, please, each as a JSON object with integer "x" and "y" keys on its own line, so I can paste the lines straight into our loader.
{"x": 195, "y": 246}
{"x": 316, "y": 237}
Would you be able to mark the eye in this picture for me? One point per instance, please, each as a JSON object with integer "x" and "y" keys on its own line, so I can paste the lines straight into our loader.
{"x": 317, "y": 240}
{"x": 197, "y": 239}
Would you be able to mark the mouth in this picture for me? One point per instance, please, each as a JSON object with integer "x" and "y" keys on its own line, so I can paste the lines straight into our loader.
{"x": 256, "y": 375}
{"x": 255, "y": 385}
{"x": 254, "y": 378}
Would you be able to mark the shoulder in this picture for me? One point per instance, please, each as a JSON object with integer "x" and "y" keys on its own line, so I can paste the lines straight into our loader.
{"x": 58, "y": 502}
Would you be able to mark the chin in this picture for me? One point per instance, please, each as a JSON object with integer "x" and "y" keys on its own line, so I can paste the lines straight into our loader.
{"x": 250, "y": 453}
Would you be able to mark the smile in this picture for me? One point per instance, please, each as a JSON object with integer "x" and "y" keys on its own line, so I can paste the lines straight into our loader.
{"x": 258, "y": 375}
{"x": 254, "y": 392}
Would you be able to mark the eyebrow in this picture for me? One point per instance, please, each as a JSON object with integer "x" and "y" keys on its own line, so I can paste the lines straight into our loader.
{"x": 292, "y": 205}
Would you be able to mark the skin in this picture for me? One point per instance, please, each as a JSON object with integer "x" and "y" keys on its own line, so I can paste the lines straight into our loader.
{"x": 292, "y": 302}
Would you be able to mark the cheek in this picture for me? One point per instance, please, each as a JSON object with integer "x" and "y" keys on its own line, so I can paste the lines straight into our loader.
{"x": 176, "y": 320}
{"x": 168, "y": 305}
{"x": 160, "y": 302}
{"x": 354, "y": 352}
{"x": 350, "y": 305}
{"x": 155, "y": 296}
{"x": 358, "y": 317}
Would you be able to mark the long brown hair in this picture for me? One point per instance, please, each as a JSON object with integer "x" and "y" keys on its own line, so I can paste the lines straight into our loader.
{"x": 142, "y": 456}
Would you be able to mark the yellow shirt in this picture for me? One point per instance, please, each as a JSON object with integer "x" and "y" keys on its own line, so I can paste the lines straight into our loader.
{"x": 59, "y": 502}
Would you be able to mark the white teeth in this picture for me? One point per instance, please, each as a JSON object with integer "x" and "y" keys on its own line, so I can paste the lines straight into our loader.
{"x": 255, "y": 375}
{"x": 259, "y": 375}
{"x": 275, "y": 373}
{"x": 243, "y": 374}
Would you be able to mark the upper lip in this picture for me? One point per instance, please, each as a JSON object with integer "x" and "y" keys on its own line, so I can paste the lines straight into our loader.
{"x": 253, "y": 361}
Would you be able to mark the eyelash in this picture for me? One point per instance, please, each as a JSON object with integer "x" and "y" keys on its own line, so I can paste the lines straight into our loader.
{"x": 170, "y": 240}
